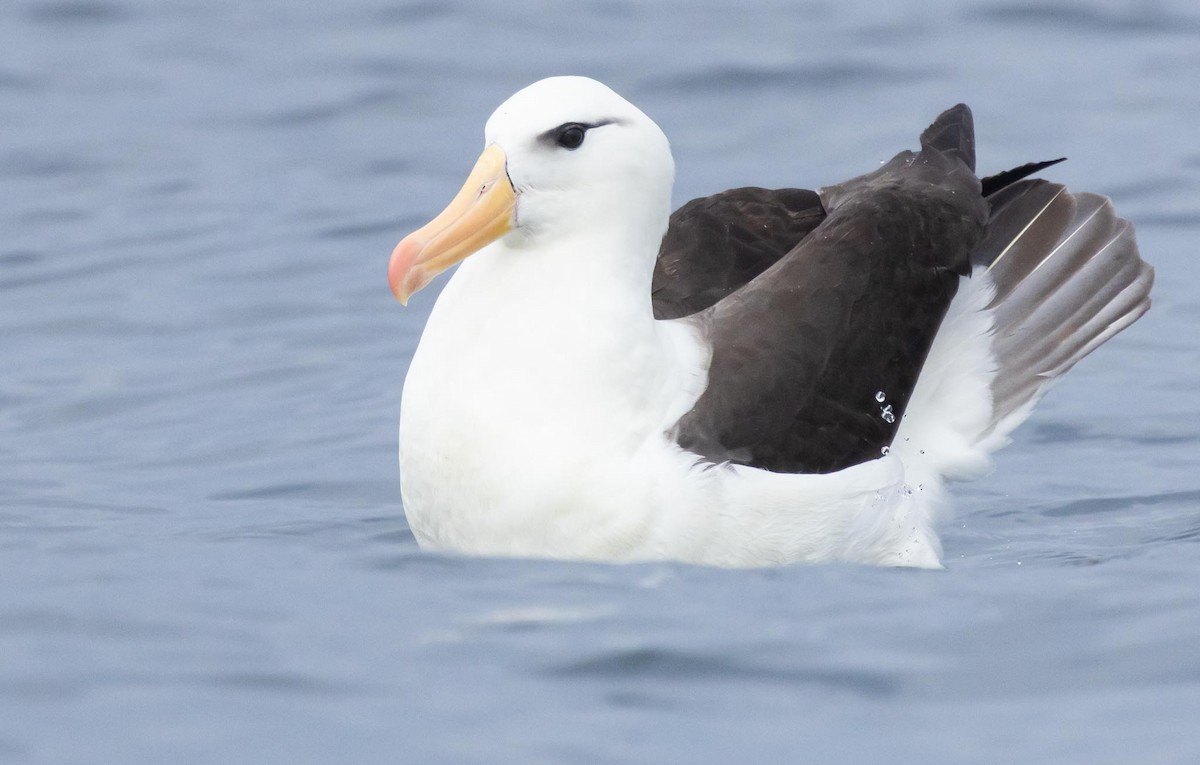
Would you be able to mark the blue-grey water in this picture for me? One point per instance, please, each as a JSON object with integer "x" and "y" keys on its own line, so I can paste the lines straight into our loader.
{"x": 203, "y": 556}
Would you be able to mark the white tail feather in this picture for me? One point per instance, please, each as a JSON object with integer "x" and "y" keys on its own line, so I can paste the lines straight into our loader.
{"x": 1063, "y": 280}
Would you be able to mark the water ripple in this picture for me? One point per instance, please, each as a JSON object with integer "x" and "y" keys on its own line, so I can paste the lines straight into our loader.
{"x": 671, "y": 665}
{"x": 17, "y": 81}
{"x": 354, "y": 230}
{"x": 416, "y": 12}
{"x": 77, "y": 12}
{"x": 330, "y": 110}
{"x": 57, "y": 623}
{"x": 823, "y": 76}
{"x": 289, "y": 683}
{"x": 49, "y": 163}
{"x": 1077, "y": 18}
{"x": 1092, "y": 505}
{"x": 308, "y": 490}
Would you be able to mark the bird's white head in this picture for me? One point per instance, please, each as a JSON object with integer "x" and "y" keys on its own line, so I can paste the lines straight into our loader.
{"x": 562, "y": 156}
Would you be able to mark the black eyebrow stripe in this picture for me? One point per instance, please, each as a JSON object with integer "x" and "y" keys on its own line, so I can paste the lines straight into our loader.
{"x": 551, "y": 135}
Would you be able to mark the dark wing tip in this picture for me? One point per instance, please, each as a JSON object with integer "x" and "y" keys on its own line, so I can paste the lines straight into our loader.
{"x": 953, "y": 132}
{"x": 994, "y": 183}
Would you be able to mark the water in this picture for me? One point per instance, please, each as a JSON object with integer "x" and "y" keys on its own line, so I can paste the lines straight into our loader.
{"x": 203, "y": 554}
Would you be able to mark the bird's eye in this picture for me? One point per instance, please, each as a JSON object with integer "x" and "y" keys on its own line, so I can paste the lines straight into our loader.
{"x": 570, "y": 136}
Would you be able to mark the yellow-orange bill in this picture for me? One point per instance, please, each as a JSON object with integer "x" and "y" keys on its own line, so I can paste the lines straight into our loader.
{"x": 480, "y": 214}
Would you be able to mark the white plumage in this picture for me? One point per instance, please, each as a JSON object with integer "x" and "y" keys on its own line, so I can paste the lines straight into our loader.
{"x": 537, "y": 411}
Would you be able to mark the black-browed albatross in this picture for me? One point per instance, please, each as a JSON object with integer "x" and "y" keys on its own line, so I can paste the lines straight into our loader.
{"x": 764, "y": 377}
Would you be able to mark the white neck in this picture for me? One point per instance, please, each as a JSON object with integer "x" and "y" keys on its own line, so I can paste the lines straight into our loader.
{"x": 535, "y": 363}
{"x": 555, "y": 341}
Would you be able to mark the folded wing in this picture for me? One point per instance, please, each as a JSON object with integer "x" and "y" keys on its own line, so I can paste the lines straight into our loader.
{"x": 814, "y": 358}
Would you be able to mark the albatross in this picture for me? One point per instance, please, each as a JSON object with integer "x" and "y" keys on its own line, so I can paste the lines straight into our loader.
{"x": 763, "y": 377}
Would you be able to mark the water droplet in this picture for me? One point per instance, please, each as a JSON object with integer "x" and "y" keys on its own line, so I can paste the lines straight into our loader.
{"x": 907, "y": 490}
{"x": 880, "y": 396}
{"x": 885, "y": 450}
{"x": 887, "y": 415}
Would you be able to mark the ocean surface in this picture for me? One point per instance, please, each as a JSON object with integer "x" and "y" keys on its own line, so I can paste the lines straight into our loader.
{"x": 203, "y": 555}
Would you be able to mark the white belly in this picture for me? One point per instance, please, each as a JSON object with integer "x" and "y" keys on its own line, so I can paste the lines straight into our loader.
{"x": 514, "y": 443}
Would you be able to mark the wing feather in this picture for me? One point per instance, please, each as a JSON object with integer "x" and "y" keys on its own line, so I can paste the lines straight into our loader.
{"x": 715, "y": 245}
{"x": 802, "y": 354}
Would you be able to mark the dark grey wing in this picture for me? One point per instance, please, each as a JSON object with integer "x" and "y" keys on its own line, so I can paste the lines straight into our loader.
{"x": 813, "y": 361}
{"x": 1068, "y": 276}
{"x": 716, "y": 244}
{"x": 1000, "y": 181}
